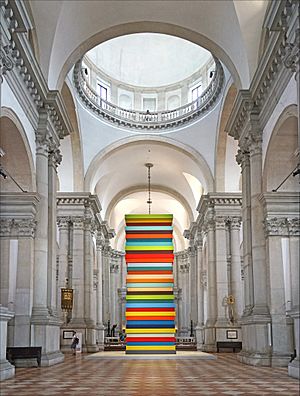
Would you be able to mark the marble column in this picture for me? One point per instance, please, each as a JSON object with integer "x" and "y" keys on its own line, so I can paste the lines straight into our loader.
{"x": 210, "y": 336}
{"x": 279, "y": 280}
{"x": 54, "y": 160}
{"x": 99, "y": 295}
{"x": 106, "y": 284}
{"x": 63, "y": 252}
{"x": 221, "y": 270}
{"x": 200, "y": 297}
{"x": 236, "y": 279}
{"x": 88, "y": 276}
{"x": 294, "y": 312}
{"x": 193, "y": 282}
{"x": 7, "y": 370}
{"x": 45, "y": 325}
{"x": 77, "y": 280}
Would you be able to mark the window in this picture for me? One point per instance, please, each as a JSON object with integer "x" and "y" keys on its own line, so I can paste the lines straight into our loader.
{"x": 102, "y": 91}
{"x": 149, "y": 104}
{"x": 196, "y": 92}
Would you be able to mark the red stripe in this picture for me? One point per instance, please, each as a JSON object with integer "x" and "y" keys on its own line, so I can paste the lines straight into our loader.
{"x": 150, "y": 272}
{"x": 151, "y": 339}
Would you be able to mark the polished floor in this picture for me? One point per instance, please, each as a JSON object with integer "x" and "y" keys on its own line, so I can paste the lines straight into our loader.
{"x": 81, "y": 376}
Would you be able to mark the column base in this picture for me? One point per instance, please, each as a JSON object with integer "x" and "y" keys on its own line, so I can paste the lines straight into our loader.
{"x": 294, "y": 368}
{"x": 199, "y": 330}
{"x": 7, "y": 370}
{"x": 45, "y": 332}
{"x": 209, "y": 340}
{"x": 254, "y": 358}
{"x": 100, "y": 336}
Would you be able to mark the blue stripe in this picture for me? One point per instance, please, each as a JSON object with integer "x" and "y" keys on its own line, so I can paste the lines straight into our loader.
{"x": 149, "y": 243}
{"x": 148, "y": 228}
{"x": 150, "y": 305}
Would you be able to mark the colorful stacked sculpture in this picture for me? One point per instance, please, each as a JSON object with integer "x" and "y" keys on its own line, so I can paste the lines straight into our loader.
{"x": 150, "y": 309}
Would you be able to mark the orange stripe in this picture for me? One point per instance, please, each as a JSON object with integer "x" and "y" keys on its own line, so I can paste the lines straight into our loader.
{"x": 150, "y": 280}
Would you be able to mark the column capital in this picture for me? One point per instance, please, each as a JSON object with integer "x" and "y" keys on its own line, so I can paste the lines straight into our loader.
{"x": 54, "y": 156}
{"x": 18, "y": 228}
{"x": 220, "y": 222}
{"x": 99, "y": 242}
{"x": 63, "y": 222}
{"x": 235, "y": 222}
{"x": 6, "y": 61}
{"x": 78, "y": 222}
{"x": 276, "y": 226}
{"x": 294, "y": 226}
{"x": 292, "y": 54}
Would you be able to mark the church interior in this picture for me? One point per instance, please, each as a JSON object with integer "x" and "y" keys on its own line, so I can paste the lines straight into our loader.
{"x": 149, "y": 197}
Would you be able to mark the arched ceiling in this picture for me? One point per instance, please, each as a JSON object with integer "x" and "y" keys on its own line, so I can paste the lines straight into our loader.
{"x": 149, "y": 59}
{"x": 135, "y": 202}
{"x": 67, "y": 29}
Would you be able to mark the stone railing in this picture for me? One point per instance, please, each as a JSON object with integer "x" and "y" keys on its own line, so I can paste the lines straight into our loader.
{"x": 145, "y": 120}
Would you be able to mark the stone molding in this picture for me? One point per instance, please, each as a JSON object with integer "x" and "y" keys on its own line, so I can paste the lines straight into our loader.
{"x": 17, "y": 228}
{"x": 17, "y": 58}
{"x": 274, "y": 69}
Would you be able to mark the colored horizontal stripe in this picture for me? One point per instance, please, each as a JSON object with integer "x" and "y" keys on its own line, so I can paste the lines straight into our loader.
{"x": 150, "y": 297}
{"x": 150, "y": 284}
{"x": 149, "y": 280}
{"x": 154, "y": 313}
{"x": 152, "y": 272}
{"x": 147, "y": 289}
{"x": 150, "y": 276}
{"x": 151, "y": 248}
{"x": 149, "y": 216}
{"x": 149, "y": 265}
{"x": 149, "y": 243}
{"x": 148, "y": 228}
{"x": 149, "y": 293}
{"x": 151, "y": 331}
{"x": 150, "y": 305}
{"x": 149, "y": 326}
{"x": 161, "y": 309}
{"x": 147, "y": 343}
{"x": 157, "y": 318}
{"x": 149, "y": 237}
{"x": 142, "y": 338}
{"x": 159, "y": 348}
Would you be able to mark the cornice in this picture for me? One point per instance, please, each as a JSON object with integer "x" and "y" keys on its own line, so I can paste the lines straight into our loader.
{"x": 14, "y": 23}
{"x": 273, "y": 72}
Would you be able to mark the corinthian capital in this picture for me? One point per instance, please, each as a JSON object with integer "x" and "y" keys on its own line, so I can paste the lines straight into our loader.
{"x": 291, "y": 59}
{"x": 6, "y": 61}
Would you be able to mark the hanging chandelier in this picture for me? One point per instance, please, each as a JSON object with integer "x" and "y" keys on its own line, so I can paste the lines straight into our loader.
{"x": 149, "y": 165}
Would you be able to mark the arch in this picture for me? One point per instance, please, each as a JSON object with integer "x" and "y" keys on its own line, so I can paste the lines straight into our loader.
{"x": 282, "y": 152}
{"x": 155, "y": 27}
{"x": 222, "y": 138}
{"x": 76, "y": 145}
{"x": 207, "y": 177}
{"x": 174, "y": 194}
{"x": 20, "y": 165}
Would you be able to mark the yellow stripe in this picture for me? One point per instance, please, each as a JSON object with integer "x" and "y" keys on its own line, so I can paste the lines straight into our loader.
{"x": 151, "y": 348}
{"x": 150, "y": 331}
{"x": 152, "y": 313}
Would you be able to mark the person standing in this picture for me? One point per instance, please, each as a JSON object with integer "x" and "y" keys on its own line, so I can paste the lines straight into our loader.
{"x": 75, "y": 341}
